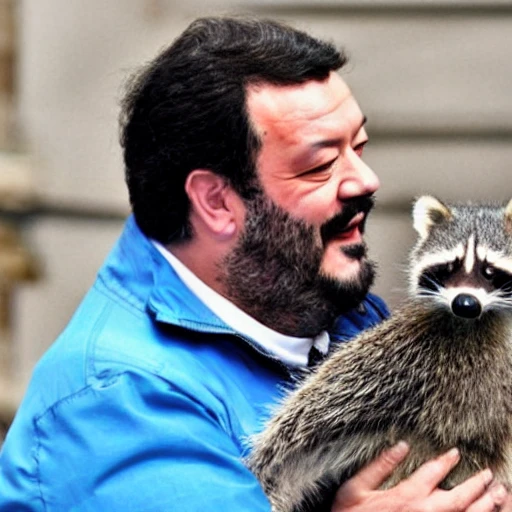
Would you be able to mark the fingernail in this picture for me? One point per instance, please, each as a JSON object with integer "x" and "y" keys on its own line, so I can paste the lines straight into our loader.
{"x": 454, "y": 453}
{"x": 487, "y": 476}
{"x": 401, "y": 448}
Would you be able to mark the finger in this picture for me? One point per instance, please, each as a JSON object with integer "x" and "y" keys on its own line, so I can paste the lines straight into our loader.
{"x": 472, "y": 495}
{"x": 429, "y": 475}
{"x": 373, "y": 475}
{"x": 495, "y": 497}
{"x": 507, "y": 504}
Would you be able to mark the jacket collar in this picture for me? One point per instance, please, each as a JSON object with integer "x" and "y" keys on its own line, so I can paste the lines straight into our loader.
{"x": 137, "y": 272}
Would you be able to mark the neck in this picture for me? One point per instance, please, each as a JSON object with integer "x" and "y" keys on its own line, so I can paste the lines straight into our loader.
{"x": 204, "y": 262}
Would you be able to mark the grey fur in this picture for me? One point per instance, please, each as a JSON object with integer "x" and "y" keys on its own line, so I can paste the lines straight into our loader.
{"x": 424, "y": 376}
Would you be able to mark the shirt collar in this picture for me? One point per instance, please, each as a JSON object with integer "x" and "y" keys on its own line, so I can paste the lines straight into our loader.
{"x": 291, "y": 350}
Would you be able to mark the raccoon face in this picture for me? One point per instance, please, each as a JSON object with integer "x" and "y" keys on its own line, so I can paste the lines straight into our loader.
{"x": 463, "y": 258}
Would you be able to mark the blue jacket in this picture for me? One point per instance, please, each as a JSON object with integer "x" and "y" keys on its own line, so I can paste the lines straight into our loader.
{"x": 146, "y": 400}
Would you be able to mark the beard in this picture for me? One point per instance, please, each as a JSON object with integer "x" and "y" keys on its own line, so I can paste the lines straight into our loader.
{"x": 273, "y": 273}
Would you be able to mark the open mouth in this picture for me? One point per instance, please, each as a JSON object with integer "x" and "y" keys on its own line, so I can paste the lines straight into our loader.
{"x": 352, "y": 231}
{"x": 348, "y": 225}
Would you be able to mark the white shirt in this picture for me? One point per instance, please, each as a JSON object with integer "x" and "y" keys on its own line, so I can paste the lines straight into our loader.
{"x": 288, "y": 349}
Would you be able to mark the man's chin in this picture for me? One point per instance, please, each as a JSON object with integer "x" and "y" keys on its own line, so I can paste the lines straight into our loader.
{"x": 348, "y": 290}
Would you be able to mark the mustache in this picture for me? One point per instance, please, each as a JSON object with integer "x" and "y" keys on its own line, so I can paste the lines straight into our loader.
{"x": 351, "y": 208}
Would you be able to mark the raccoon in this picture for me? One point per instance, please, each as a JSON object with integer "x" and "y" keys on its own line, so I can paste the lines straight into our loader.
{"x": 437, "y": 374}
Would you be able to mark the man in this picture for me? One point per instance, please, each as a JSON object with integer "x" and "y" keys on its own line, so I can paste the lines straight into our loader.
{"x": 243, "y": 151}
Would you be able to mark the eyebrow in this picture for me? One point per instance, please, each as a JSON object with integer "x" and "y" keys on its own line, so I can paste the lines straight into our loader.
{"x": 328, "y": 143}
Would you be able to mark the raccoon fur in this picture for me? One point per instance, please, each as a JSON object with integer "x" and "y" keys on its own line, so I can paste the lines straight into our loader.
{"x": 437, "y": 374}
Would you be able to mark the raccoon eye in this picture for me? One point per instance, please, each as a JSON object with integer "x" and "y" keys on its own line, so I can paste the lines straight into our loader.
{"x": 452, "y": 266}
{"x": 488, "y": 272}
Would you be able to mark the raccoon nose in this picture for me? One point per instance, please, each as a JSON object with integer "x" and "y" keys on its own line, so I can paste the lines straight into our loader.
{"x": 466, "y": 306}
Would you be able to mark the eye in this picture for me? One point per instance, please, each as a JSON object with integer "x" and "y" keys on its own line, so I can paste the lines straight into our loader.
{"x": 360, "y": 147}
{"x": 452, "y": 266}
{"x": 436, "y": 276}
{"x": 488, "y": 272}
{"x": 321, "y": 168}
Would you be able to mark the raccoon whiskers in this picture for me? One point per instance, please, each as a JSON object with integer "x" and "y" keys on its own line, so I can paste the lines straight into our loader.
{"x": 435, "y": 297}
{"x": 498, "y": 300}
{"x": 433, "y": 291}
{"x": 429, "y": 287}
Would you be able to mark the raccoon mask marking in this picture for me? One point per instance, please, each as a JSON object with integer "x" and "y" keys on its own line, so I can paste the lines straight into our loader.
{"x": 463, "y": 258}
{"x": 437, "y": 374}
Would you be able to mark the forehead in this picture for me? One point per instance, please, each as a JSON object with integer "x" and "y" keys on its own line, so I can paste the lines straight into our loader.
{"x": 302, "y": 110}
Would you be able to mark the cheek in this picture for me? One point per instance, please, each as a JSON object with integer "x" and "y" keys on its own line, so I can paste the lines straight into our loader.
{"x": 315, "y": 209}
{"x": 310, "y": 201}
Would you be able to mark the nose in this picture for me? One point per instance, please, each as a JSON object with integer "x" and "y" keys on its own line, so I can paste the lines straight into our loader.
{"x": 466, "y": 306}
{"x": 358, "y": 180}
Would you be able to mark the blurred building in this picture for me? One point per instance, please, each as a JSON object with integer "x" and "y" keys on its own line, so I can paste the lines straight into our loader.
{"x": 433, "y": 77}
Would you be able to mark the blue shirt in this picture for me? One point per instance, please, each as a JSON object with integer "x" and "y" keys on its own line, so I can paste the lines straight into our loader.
{"x": 146, "y": 401}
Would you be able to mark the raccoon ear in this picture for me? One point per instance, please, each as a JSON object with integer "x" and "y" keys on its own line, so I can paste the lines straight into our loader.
{"x": 508, "y": 217}
{"x": 428, "y": 211}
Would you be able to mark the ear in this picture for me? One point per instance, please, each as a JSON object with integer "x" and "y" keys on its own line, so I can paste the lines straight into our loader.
{"x": 212, "y": 202}
{"x": 428, "y": 211}
{"x": 508, "y": 217}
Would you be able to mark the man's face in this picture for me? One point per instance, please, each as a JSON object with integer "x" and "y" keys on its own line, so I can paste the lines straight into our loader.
{"x": 310, "y": 160}
{"x": 301, "y": 259}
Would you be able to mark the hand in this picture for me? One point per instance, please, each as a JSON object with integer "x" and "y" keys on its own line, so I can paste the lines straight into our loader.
{"x": 507, "y": 506}
{"x": 419, "y": 492}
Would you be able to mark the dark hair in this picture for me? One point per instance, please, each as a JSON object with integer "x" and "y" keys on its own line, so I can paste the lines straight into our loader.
{"x": 186, "y": 110}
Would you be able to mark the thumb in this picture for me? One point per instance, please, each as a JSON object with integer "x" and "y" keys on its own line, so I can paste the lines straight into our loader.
{"x": 372, "y": 476}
